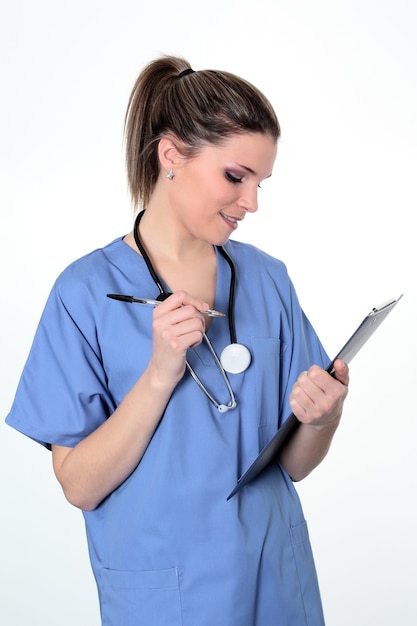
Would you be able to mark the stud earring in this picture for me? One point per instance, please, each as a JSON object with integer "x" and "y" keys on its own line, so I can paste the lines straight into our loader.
{"x": 170, "y": 175}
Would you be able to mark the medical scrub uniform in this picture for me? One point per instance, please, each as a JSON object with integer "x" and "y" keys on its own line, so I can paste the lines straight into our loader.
{"x": 167, "y": 548}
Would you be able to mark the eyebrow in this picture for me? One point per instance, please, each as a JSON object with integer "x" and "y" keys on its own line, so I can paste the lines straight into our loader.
{"x": 251, "y": 171}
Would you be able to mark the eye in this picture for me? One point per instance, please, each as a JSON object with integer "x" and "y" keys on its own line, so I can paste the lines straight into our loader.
{"x": 233, "y": 179}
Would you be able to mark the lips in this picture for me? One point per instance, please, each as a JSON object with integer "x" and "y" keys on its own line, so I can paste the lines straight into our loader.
{"x": 231, "y": 221}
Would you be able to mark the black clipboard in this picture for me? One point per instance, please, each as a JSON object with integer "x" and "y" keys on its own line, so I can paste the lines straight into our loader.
{"x": 361, "y": 335}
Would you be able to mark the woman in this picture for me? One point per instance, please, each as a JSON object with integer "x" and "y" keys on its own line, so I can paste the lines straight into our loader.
{"x": 148, "y": 432}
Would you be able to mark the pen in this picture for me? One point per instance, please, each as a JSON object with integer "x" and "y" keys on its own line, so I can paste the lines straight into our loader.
{"x": 123, "y": 298}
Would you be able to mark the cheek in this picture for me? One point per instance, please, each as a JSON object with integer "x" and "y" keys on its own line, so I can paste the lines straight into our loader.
{"x": 220, "y": 194}
{"x": 205, "y": 196}
{"x": 202, "y": 191}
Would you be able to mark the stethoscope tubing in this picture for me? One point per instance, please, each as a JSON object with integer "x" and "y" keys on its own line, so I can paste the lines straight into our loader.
{"x": 231, "y": 305}
{"x": 163, "y": 294}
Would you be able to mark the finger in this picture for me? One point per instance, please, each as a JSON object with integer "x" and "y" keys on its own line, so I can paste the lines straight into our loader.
{"x": 299, "y": 399}
{"x": 179, "y": 321}
{"x": 181, "y": 299}
{"x": 178, "y": 333}
{"x": 315, "y": 394}
{"x": 341, "y": 371}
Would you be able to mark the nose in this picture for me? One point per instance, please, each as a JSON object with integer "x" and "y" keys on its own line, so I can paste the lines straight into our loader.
{"x": 249, "y": 198}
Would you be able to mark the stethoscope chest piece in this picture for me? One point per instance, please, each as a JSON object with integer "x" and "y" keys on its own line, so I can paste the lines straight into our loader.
{"x": 235, "y": 358}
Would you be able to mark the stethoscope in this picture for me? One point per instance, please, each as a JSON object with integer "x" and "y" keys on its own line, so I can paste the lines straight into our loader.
{"x": 235, "y": 357}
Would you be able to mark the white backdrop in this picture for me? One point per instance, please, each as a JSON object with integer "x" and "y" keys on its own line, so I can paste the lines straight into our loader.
{"x": 338, "y": 210}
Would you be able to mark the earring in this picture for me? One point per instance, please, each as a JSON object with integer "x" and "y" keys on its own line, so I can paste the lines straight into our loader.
{"x": 170, "y": 175}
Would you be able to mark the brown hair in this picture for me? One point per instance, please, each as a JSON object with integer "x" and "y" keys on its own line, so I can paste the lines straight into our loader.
{"x": 199, "y": 108}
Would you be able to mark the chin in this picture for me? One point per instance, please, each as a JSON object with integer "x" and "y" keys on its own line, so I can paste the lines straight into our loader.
{"x": 221, "y": 241}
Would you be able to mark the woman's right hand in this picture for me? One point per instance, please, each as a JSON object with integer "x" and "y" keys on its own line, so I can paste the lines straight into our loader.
{"x": 178, "y": 324}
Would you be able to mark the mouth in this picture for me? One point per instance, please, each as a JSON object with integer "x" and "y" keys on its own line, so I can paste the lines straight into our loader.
{"x": 232, "y": 222}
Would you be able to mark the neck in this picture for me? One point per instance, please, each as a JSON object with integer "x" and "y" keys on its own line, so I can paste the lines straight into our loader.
{"x": 164, "y": 238}
{"x": 194, "y": 271}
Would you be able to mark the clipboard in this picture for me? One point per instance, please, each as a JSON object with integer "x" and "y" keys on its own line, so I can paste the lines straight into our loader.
{"x": 361, "y": 335}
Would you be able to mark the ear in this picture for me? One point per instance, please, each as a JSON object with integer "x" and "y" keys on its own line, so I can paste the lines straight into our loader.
{"x": 168, "y": 152}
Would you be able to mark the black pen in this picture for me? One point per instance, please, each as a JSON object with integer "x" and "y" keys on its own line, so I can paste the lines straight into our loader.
{"x": 131, "y": 299}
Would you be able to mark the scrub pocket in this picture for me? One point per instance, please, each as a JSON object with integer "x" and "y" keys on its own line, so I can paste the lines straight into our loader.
{"x": 266, "y": 353}
{"x": 307, "y": 575}
{"x": 140, "y": 598}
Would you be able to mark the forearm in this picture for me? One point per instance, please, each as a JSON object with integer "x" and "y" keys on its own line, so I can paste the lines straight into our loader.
{"x": 102, "y": 461}
{"x": 307, "y": 448}
{"x": 317, "y": 400}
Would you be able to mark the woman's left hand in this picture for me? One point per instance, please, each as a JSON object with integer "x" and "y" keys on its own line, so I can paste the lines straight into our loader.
{"x": 317, "y": 397}
{"x": 317, "y": 402}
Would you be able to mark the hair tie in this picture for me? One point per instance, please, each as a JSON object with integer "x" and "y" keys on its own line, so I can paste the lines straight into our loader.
{"x": 185, "y": 72}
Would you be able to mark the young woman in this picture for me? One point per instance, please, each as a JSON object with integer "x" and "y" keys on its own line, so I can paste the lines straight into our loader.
{"x": 152, "y": 413}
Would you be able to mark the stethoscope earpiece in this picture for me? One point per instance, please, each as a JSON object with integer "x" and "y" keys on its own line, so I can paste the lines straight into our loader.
{"x": 223, "y": 408}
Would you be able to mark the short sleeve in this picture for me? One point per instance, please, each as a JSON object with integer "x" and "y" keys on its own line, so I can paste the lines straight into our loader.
{"x": 62, "y": 395}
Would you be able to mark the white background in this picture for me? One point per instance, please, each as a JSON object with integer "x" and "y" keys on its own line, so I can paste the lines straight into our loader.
{"x": 339, "y": 211}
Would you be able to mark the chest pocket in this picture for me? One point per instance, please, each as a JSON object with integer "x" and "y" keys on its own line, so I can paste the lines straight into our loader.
{"x": 266, "y": 357}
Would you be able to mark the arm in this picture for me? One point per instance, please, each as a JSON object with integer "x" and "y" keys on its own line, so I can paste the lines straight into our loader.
{"x": 102, "y": 461}
{"x": 317, "y": 401}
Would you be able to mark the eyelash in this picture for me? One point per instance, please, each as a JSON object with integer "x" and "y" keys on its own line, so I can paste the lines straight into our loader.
{"x": 235, "y": 179}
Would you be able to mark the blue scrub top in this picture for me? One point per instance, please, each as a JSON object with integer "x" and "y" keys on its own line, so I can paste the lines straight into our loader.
{"x": 167, "y": 548}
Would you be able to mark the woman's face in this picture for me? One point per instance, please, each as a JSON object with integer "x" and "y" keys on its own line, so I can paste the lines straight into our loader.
{"x": 212, "y": 192}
